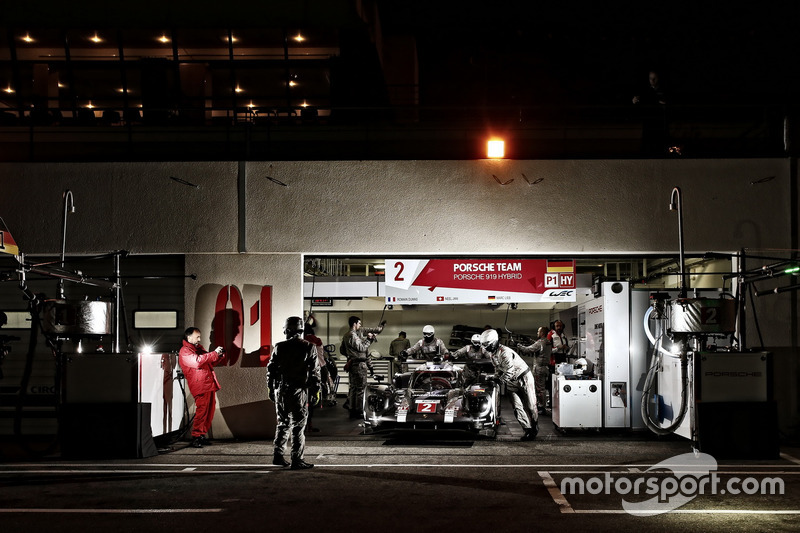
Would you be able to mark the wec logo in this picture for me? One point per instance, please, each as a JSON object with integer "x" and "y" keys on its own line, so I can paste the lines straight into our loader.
{"x": 559, "y": 294}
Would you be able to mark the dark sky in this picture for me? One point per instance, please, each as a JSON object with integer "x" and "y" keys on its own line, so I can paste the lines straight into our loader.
{"x": 529, "y": 53}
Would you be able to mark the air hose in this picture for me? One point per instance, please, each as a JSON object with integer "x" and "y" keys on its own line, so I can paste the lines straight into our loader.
{"x": 649, "y": 383}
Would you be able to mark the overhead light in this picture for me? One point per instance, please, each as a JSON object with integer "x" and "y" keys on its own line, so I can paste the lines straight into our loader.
{"x": 304, "y": 104}
{"x": 299, "y": 37}
{"x": 96, "y": 38}
{"x": 9, "y": 90}
{"x": 495, "y": 149}
{"x": 61, "y": 85}
{"x": 292, "y": 83}
{"x": 90, "y": 106}
{"x": 28, "y": 38}
{"x": 238, "y": 89}
{"x": 164, "y": 39}
{"x": 231, "y": 39}
{"x": 250, "y": 105}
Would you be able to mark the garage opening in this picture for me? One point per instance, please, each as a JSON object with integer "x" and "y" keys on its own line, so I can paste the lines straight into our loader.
{"x": 481, "y": 293}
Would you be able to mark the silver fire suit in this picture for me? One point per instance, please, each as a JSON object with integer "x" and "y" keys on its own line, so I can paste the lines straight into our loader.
{"x": 540, "y": 350}
{"x": 428, "y": 350}
{"x": 357, "y": 349}
{"x": 515, "y": 374}
{"x": 470, "y": 353}
{"x": 293, "y": 369}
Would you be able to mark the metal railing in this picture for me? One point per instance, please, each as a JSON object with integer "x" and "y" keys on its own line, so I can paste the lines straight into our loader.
{"x": 401, "y": 131}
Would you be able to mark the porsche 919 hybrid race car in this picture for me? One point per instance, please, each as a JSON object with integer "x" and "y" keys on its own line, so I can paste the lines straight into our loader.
{"x": 434, "y": 396}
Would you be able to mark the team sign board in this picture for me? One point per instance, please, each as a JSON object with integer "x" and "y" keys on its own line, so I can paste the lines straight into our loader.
{"x": 470, "y": 281}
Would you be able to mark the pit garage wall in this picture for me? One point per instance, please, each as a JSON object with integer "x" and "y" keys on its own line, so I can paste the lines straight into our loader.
{"x": 381, "y": 208}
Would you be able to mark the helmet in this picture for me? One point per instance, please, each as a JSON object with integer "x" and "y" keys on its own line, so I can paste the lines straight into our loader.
{"x": 476, "y": 339}
{"x": 428, "y": 332}
{"x": 490, "y": 340}
{"x": 293, "y": 326}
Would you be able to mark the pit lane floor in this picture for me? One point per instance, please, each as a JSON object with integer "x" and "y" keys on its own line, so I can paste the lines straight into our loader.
{"x": 391, "y": 482}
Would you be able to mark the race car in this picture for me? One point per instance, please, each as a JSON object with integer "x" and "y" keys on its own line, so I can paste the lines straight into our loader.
{"x": 434, "y": 396}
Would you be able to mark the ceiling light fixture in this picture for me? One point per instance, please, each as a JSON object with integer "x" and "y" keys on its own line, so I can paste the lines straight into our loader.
{"x": 304, "y": 104}
{"x": 299, "y": 37}
{"x": 164, "y": 39}
{"x": 90, "y": 106}
{"x": 292, "y": 83}
{"x": 96, "y": 38}
{"x": 238, "y": 89}
{"x": 9, "y": 90}
{"x": 28, "y": 38}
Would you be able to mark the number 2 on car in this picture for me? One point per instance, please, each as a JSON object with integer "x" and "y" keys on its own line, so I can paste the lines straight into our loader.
{"x": 425, "y": 406}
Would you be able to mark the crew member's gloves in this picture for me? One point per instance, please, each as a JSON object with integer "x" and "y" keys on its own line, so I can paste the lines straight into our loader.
{"x": 314, "y": 399}
{"x": 403, "y": 355}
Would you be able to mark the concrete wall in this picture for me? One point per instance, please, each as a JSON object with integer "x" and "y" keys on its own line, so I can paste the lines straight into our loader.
{"x": 377, "y": 208}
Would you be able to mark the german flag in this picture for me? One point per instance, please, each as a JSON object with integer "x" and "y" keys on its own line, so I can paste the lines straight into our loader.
{"x": 7, "y": 243}
{"x": 491, "y": 298}
{"x": 561, "y": 266}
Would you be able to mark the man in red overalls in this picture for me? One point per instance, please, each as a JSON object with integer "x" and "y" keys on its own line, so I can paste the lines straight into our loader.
{"x": 198, "y": 367}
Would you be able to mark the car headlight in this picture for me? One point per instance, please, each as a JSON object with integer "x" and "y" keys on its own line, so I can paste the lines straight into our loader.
{"x": 484, "y": 406}
{"x": 479, "y": 404}
{"x": 376, "y": 403}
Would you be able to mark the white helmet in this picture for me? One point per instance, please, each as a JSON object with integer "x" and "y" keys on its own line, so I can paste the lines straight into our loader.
{"x": 476, "y": 339}
{"x": 428, "y": 331}
{"x": 581, "y": 366}
{"x": 490, "y": 340}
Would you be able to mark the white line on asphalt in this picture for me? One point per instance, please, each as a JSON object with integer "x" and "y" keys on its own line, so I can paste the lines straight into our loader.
{"x": 112, "y": 511}
{"x": 201, "y": 469}
{"x": 117, "y": 471}
{"x": 572, "y": 467}
{"x": 690, "y": 511}
{"x": 555, "y": 493}
{"x": 666, "y": 473}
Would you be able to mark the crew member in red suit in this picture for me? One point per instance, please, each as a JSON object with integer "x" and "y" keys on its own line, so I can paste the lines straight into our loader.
{"x": 198, "y": 367}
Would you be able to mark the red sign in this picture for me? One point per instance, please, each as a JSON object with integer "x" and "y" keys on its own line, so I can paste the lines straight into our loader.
{"x": 426, "y": 407}
{"x": 454, "y": 281}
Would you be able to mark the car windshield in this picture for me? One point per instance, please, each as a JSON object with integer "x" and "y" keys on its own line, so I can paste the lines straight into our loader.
{"x": 435, "y": 380}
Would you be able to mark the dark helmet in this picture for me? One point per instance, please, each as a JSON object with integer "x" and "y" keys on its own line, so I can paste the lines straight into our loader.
{"x": 293, "y": 326}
